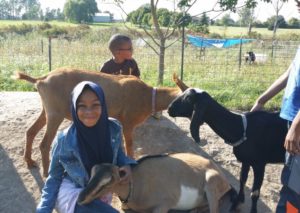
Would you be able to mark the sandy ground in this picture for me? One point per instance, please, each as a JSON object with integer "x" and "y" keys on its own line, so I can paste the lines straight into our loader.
{"x": 20, "y": 187}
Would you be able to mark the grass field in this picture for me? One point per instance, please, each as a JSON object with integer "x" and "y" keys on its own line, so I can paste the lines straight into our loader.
{"x": 219, "y": 71}
{"x": 242, "y": 31}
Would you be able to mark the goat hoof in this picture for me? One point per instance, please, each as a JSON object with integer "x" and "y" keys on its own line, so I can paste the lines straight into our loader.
{"x": 45, "y": 174}
{"x": 203, "y": 143}
{"x": 31, "y": 163}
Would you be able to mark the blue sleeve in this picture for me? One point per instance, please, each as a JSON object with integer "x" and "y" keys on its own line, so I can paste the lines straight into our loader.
{"x": 119, "y": 158}
{"x": 54, "y": 180}
{"x": 122, "y": 159}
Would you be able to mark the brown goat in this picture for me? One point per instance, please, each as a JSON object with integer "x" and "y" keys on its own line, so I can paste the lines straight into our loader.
{"x": 181, "y": 181}
{"x": 128, "y": 99}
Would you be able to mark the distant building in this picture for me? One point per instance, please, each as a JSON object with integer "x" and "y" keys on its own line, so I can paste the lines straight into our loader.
{"x": 103, "y": 18}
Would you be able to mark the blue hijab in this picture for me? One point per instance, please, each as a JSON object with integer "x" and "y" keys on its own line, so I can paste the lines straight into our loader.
{"x": 93, "y": 142}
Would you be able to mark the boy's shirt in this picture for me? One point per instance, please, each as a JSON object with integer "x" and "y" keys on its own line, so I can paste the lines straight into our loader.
{"x": 128, "y": 67}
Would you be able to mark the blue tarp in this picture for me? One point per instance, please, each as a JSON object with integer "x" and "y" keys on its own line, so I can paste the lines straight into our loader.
{"x": 220, "y": 43}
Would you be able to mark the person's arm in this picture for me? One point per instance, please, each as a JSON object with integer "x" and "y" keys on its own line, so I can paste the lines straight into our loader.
{"x": 102, "y": 68}
{"x": 122, "y": 161}
{"x": 292, "y": 139}
{"x": 136, "y": 70}
{"x": 53, "y": 182}
{"x": 273, "y": 90}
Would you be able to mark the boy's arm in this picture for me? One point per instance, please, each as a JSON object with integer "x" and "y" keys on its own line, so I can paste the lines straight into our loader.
{"x": 136, "y": 70}
{"x": 273, "y": 90}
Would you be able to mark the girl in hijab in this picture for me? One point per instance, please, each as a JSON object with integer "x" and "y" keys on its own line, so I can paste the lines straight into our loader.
{"x": 91, "y": 139}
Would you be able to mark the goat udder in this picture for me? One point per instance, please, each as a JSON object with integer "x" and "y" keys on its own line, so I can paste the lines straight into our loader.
{"x": 189, "y": 198}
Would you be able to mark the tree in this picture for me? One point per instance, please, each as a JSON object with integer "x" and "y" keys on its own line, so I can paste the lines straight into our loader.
{"x": 279, "y": 23}
{"x": 53, "y": 14}
{"x": 204, "y": 19}
{"x": 226, "y": 20}
{"x": 4, "y": 13}
{"x": 80, "y": 10}
{"x": 32, "y": 13}
{"x": 247, "y": 18}
{"x": 160, "y": 35}
{"x": 294, "y": 23}
{"x": 137, "y": 16}
{"x": 200, "y": 25}
{"x": 15, "y": 9}
{"x": 32, "y": 9}
{"x": 277, "y": 5}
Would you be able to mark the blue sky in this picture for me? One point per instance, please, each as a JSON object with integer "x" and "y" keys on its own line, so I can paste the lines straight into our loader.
{"x": 263, "y": 11}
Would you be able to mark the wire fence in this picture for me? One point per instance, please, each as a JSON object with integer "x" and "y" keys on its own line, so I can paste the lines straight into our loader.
{"x": 223, "y": 72}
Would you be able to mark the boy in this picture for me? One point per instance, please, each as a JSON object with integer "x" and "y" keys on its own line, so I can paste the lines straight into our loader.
{"x": 122, "y": 61}
{"x": 289, "y": 201}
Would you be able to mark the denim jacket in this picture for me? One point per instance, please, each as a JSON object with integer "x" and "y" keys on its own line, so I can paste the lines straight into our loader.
{"x": 66, "y": 162}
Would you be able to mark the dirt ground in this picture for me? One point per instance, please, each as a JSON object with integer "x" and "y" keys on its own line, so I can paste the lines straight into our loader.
{"x": 20, "y": 187}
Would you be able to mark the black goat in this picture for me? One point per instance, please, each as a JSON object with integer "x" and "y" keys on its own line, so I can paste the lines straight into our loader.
{"x": 257, "y": 137}
{"x": 250, "y": 58}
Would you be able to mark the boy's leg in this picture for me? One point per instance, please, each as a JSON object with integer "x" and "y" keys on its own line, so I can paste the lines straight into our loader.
{"x": 289, "y": 201}
{"x": 95, "y": 207}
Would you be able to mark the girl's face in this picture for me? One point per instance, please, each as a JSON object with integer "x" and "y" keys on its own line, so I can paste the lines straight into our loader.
{"x": 88, "y": 108}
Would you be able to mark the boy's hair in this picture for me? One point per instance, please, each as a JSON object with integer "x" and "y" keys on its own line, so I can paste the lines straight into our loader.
{"x": 116, "y": 41}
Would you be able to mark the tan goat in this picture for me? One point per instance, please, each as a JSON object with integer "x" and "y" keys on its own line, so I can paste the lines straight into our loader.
{"x": 181, "y": 181}
{"x": 128, "y": 99}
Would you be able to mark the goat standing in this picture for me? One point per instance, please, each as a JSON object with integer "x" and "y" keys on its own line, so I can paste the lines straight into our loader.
{"x": 257, "y": 137}
{"x": 128, "y": 99}
{"x": 181, "y": 181}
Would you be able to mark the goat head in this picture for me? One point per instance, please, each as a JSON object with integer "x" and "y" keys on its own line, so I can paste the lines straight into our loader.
{"x": 102, "y": 177}
{"x": 190, "y": 104}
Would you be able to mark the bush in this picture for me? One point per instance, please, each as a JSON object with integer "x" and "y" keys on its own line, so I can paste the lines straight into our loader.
{"x": 54, "y": 31}
{"x": 215, "y": 35}
{"x": 255, "y": 35}
{"x": 44, "y": 26}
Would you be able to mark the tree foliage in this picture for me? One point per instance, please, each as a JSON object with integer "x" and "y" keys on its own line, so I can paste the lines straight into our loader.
{"x": 246, "y": 16}
{"x": 79, "y": 11}
{"x": 281, "y": 23}
{"x": 15, "y": 9}
{"x": 53, "y": 14}
{"x": 160, "y": 24}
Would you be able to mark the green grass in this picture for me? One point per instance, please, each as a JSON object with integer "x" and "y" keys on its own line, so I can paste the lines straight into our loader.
{"x": 228, "y": 32}
{"x": 218, "y": 72}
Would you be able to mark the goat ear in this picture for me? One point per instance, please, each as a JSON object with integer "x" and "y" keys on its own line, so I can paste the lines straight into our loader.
{"x": 182, "y": 86}
{"x": 191, "y": 97}
{"x": 196, "y": 122}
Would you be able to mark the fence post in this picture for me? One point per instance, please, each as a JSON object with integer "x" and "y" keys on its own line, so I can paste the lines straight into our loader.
{"x": 49, "y": 52}
{"x": 240, "y": 54}
{"x": 182, "y": 53}
{"x": 42, "y": 45}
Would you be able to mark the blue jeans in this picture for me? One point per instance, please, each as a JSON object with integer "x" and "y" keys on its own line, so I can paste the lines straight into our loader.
{"x": 290, "y": 179}
{"x": 96, "y": 206}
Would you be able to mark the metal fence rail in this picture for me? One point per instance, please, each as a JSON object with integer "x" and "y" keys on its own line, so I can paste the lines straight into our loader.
{"x": 213, "y": 68}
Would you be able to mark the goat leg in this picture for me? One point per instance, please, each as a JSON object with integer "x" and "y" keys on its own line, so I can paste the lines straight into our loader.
{"x": 258, "y": 171}
{"x": 243, "y": 179}
{"x": 53, "y": 123}
{"x": 30, "y": 135}
{"x": 127, "y": 131}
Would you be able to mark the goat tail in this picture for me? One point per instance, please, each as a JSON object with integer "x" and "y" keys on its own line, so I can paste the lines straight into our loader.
{"x": 23, "y": 76}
